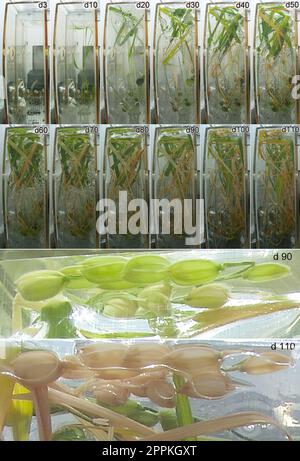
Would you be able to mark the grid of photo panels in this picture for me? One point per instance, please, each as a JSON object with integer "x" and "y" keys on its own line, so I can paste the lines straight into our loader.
{"x": 149, "y": 221}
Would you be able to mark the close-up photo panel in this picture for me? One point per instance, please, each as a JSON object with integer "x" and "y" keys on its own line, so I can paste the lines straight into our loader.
{"x": 149, "y": 223}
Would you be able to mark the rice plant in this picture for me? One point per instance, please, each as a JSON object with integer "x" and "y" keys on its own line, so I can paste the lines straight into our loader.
{"x": 26, "y": 195}
{"x": 76, "y": 190}
{"x": 225, "y": 64}
{"x": 225, "y": 192}
{"x": 126, "y": 169}
{"x": 126, "y": 79}
{"x": 276, "y": 217}
{"x": 174, "y": 168}
{"x": 175, "y": 65}
{"x": 275, "y": 64}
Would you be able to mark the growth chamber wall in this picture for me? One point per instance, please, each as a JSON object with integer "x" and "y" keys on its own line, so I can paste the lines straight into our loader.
{"x": 225, "y": 188}
{"x": 176, "y": 66}
{"x": 226, "y": 66}
{"x": 25, "y": 191}
{"x": 275, "y": 188}
{"x": 125, "y": 178}
{"x": 174, "y": 182}
{"x": 126, "y": 66}
{"x": 275, "y": 63}
{"x": 25, "y": 63}
{"x": 75, "y": 188}
{"x": 76, "y": 64}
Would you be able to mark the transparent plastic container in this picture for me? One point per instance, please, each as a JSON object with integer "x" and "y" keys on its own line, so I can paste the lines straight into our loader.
{"x": 76, "y": 64}
{"x": 25, "y": 63}
{"x": 225, "y": 188}
{"x": 25, "y": 188}
{"x": 145, "y": 390}
{"x": 75, "y": 188}
{"x": 226, "y": 64}
{"x": 275, "y": 63}
{"x": 125, "y": 171}
{"x": 174, "y": 178}
{"x": 176, "y": 66}
{"x": 275, "y": 188}
{"x": 126, "y": 64}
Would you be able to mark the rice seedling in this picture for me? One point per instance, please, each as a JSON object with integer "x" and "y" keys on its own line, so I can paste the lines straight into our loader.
{"x": 126, "y": 64}
{"x": 225, "y": 189}
{"x": 174, "y": 167}
{"x": 86, "y": 92}
{"x": 226, "y": 68}
{"x": 25, "y": 194}
{"x": 76, "y": 65}
{"x": 275, "y": 189}
{"x": 75, "y": 194}
{"x": 101, "y": 384}
{"x": 126, "y": 159}
{"x": 125, "y": 170}
{"x": 175, "y": 65}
